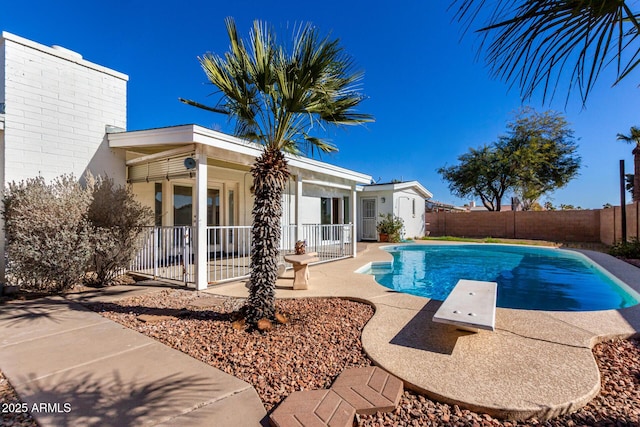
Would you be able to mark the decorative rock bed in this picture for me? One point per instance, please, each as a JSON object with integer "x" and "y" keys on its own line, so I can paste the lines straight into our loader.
{"x": 321, "y": 340}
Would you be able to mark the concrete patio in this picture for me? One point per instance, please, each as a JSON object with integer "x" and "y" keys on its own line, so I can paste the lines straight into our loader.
{"x": 536, "y": 363}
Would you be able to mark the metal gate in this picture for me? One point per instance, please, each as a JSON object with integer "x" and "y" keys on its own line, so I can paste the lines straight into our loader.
{"x": 369, "y": 231}
{"x": 167, "y": 253}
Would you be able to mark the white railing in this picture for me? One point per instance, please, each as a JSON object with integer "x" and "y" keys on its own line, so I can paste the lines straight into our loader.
{"x": 228, "y": 253}
{"x": 168, "y": 252}
{"x": 333, "y": 241}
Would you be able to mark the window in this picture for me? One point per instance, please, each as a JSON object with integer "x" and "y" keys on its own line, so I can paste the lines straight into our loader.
{"x": 158, "y": 205}
{"x": 182, "y": 205}
{"x": 346, "y": 213}
{"x": 325, "y": 210}
{"x": 330, "y": 210}
{"x": 231, "y": 214}
{"x": 213, "y": 207}
{"x": 232, "y": 208}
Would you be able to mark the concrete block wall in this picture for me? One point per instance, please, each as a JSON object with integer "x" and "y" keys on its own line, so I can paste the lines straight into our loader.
{"x": 611, "y": 223}
{"x": 567, "y": 226}
{"x": 471, "y": 224}
{"x": 559, "y": 226}
{"x": 57, "y": 106}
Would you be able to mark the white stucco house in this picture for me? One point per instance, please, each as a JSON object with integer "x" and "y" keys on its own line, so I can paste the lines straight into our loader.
{"x": 402, "y": 199}
{"x": 62, "y": 114}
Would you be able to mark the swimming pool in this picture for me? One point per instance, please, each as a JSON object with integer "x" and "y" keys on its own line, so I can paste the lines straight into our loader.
{"x": 528, "y": 277}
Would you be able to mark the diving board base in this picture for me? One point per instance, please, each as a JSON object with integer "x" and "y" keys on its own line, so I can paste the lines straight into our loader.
{"x": 470, "y": 306}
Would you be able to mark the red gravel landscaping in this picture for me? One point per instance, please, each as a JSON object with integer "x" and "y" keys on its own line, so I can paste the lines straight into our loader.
{"x": 321, "y": 339}
{"x": 11, "y": 413}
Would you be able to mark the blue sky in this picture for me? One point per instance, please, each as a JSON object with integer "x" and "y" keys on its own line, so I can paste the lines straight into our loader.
{"x": 431, "y": 96}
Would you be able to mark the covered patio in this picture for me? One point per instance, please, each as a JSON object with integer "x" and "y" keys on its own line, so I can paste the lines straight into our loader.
{"x": 198, "y": 183}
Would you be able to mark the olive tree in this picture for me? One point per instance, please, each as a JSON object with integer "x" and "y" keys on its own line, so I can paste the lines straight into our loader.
{"x": 536, "y": 156}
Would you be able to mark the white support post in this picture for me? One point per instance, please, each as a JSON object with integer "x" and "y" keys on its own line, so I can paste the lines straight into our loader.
{"x": 201, "y": 267}
{"x": 298, "y": 206}
{"x": 354, "y": 219}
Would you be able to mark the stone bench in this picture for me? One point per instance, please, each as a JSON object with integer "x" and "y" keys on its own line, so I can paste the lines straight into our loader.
{"x": 470, "y": 306}
{"x": 301, "y": 268}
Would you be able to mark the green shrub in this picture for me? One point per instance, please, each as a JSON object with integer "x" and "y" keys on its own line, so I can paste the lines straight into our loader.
{"x": 391, "y": 225}
{"x": 116, "y": 219}
{"x": 47, "y": 233}
{"x": 58, "y": 232}
{"x": 630, "y": 249}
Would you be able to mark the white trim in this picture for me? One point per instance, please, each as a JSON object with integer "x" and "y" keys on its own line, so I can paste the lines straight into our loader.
{"x": 66, "y": 54}
{"x": 420, "y": 189}
{"x": 200, "y": 202}
{"x": 327, "y": 184}
{"x": 189, "y": 134}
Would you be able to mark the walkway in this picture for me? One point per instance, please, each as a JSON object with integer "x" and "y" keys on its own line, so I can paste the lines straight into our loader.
{"x": 535, "y": 364}
{"x": 81, "y": 369}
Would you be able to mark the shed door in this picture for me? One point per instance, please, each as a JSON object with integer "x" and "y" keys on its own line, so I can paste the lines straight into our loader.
{"x": 369, "y": 219}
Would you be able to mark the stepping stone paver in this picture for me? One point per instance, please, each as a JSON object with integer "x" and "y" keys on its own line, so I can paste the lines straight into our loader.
{"x": 152, "y": 318}
{"x": 369, "y": 389}
{"x": 206, "y": 302}
{"x": 313, "y": 408}
{"x": 358, "y": 390}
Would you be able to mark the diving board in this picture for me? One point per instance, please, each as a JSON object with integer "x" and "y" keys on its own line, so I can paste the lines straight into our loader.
{"x": 470, "y": 306}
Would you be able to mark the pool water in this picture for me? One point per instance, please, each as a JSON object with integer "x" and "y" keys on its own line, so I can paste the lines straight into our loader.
{"x": 528, "y": 277}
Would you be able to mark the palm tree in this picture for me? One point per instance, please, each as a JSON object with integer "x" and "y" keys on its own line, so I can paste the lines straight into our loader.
{"x": 532, "y": 41}
{"x": 276, "y": 95}
{"x": 634, "y": 138}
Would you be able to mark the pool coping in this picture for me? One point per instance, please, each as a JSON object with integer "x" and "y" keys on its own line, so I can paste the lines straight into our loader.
{"x": 536, "y": 363}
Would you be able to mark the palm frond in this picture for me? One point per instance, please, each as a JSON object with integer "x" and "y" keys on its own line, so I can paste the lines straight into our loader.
{"x": 280, "y": 95}
{"x": 529, "y": 43}
{"x": 632, "y": 138}
{"x": 203, "y": 106}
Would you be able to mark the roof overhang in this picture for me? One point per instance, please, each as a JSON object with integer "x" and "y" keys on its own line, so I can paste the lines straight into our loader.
{"x": 227, "y": 148}
{"x": 399, "y": 186}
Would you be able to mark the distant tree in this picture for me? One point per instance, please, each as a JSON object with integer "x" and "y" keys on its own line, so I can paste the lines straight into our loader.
{"x": 607, "y": 206}
{"x": 633, "y": 138}
{"x": 536, "y": 207}
{"x": 484, "y": 172}
{"x": 569, "y": 207}
{"x": 549, "y": 206}
{"x": 629, "y": 178}
{"x": 545, "y": 151}
{"x": 531, "y": 42}
{"x": 537, "y": 156}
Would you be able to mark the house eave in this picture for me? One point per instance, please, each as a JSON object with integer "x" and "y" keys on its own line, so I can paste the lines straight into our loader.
{"x": 151, "y": 141}
{"x": 415, "y": 185}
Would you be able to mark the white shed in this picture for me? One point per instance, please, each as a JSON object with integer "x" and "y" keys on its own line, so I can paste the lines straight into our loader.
{"x": 403, "y": 199}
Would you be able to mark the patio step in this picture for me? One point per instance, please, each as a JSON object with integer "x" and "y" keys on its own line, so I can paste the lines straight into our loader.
{"x": 369, "y": 390}
{"x": 313, "y": 408}
{"x": 358, "y": 390}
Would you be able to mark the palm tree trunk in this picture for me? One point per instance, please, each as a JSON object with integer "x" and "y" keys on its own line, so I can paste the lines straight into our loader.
{"x": 636, "y": 174}
{"x": 270, "y": 175}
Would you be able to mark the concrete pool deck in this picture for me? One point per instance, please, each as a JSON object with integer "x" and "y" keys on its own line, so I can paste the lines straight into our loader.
{"x": 536, "y": 363}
